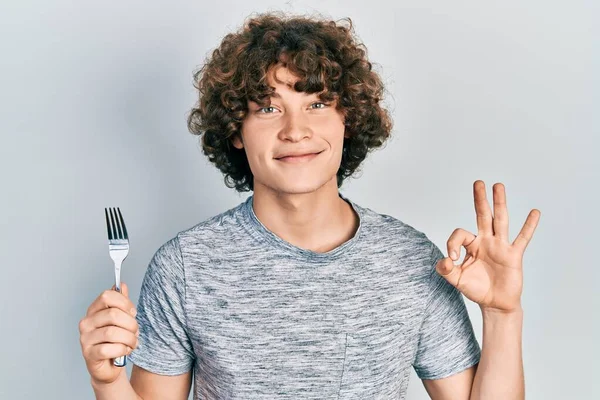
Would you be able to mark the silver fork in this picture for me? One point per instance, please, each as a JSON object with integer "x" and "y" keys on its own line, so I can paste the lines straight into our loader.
{"x": 118, "y": 248}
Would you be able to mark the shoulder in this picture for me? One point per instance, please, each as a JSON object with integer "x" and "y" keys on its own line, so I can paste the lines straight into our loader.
{"x": 404, "y": 243}
{"x": 208, "y": 234}
{"x": 400, "y": 233}
{"x": 407, "y": 252}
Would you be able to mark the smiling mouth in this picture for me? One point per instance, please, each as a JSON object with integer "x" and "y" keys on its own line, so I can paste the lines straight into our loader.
{"x": 301, "y": 158}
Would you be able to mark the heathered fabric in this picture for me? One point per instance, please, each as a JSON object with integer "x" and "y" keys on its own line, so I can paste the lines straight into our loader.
{"x": 256, "y": 317}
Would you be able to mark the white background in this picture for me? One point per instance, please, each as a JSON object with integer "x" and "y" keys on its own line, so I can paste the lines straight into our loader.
{"x": 93, "y": 106}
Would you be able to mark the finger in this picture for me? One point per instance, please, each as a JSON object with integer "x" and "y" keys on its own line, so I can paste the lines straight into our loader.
{"x": 482, "y": 209}
{"x": 500, "y": 212}
{"x": 109, "y": 317}
{"x": 446, "y": 268}
{"x": 105, "y": 351}
{"x": 110, "y": 334}
{"x": 458, "y": 238}
{"x": 111, "y": 298}
{"x": 526, "y": 233}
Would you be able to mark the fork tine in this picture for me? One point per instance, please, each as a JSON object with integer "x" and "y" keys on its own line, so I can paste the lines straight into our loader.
{"x": 118, "y": 224}
{"x": 112, "y": 219}
{"x": 122, "y": 224}
{"x": 108, "y": 227}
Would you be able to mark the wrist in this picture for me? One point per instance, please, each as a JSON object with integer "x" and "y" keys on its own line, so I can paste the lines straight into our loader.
{"x": 98, "y": 386}
{"x": 495, "y": 316}
{"x": 516, "y": 310}
{"x": 104, "y": 385}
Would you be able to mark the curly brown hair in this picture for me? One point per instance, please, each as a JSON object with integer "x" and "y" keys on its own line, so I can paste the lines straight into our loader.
{"x": 327, "y": 60}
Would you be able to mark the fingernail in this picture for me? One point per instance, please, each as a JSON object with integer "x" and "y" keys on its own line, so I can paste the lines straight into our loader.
{"x": 133, "y": 312}
{"x": 137, "y": 333}
{"x": 453, "y": 255}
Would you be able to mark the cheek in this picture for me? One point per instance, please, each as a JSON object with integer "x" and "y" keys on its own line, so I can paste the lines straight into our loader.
{"x": 334, "y": 133}
{"x": 257, "y": 150}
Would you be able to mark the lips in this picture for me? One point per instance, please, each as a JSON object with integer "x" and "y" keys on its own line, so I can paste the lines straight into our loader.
{"x": 299, "y": 155}
{"x": 301, "y": 158}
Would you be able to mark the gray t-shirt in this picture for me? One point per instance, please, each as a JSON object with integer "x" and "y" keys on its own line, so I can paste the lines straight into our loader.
{"x": 256, "y": 317}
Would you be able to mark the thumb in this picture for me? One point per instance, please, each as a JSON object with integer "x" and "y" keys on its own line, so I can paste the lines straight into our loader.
{"x": 446, "y": 268}
{"x": 124, "y": 289}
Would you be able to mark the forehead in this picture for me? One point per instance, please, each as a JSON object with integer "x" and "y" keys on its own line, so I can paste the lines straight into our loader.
{"x": 281, "y": 78}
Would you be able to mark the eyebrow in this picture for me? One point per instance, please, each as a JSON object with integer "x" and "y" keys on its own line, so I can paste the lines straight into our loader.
{"x": 278, "y": 96}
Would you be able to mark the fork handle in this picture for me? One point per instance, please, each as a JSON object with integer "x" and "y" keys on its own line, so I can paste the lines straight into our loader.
{"x": 122, "y": 360}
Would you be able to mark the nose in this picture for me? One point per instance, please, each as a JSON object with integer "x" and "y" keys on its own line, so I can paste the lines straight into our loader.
{"x": 296, "y": 127}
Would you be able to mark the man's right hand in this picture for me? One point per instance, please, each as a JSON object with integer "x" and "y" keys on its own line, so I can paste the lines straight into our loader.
{"x": 108, "y": 330}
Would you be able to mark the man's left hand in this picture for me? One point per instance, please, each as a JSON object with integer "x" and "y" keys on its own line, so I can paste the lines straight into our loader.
{"x": 491, "y": 273}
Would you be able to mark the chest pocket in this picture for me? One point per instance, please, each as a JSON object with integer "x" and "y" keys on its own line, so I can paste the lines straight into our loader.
{"x": 374, "y": 365}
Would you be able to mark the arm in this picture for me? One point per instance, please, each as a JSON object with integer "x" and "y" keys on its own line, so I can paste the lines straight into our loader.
{"x": 491, "y": 275}
{"x": 163, "y": 360}
{"x": 119, "y": 389}
{"x": 447, "y": 351}
{"x": 501, "y": 356}
{"x": 145, "y": 385}
{"x": 151, "y": 386}
{"x": 454, "y": 387}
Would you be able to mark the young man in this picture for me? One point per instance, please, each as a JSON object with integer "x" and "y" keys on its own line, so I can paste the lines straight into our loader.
{"x": 298, "y": 292}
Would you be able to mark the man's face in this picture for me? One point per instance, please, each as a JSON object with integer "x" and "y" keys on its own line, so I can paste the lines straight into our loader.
{"x": 296, "y": 123}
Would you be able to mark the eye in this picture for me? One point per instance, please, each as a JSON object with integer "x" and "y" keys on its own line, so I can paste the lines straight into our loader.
{"x": 323, "y": 104}
{"x": 265, "y": 108}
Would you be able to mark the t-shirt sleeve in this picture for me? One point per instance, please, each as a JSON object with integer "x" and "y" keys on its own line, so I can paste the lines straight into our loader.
{"x": 447, "y": 343}
{"x": 164, "y": 345}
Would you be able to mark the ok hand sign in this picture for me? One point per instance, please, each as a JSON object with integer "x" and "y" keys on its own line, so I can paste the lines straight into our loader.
{"x": 491, "y": 273}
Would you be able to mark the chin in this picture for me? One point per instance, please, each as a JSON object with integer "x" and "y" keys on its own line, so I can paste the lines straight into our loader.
{"x": 299, "y": 186}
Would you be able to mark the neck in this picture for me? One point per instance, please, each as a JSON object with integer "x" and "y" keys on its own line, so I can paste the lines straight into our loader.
{"x": 319, "y": 221}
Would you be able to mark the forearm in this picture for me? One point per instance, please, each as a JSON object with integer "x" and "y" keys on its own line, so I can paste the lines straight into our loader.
{"x": 120, "y": 389}
{"x": 500, "y": 370}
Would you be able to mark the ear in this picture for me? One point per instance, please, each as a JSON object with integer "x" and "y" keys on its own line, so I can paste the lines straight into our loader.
{"x": 237, "y": 141}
